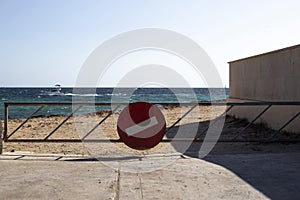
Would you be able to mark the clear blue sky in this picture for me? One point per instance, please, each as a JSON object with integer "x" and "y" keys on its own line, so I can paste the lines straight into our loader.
{"x": 44, "y": 42}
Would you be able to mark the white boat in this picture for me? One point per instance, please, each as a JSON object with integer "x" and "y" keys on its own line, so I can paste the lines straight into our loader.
{"x": 56, "y": 91}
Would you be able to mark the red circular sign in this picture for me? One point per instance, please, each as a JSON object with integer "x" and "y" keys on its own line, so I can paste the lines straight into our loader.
{"x": 141, "y": 125}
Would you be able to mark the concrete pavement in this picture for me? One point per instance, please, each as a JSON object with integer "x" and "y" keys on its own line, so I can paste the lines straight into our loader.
{"x": 239, "y": 176}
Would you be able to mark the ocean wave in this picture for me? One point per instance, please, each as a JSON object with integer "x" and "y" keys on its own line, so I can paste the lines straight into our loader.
{"x": 84, "y": 95}
{"x": 118, "y": 94}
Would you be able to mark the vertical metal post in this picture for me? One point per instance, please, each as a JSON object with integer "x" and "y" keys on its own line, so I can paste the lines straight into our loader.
{"x": 5, "y": 122}
{"x": 1, "y": 142}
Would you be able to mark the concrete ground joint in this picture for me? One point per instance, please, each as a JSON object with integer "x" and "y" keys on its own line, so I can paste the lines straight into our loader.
{"x": 141, "y": 188}
{"x": 117, "y": 194}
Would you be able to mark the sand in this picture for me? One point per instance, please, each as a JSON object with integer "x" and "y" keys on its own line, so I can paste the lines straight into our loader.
{"x": 77, "y": 127}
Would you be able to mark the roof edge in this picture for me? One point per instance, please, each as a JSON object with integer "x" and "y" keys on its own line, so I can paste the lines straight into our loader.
{"x": 270, "y": 52}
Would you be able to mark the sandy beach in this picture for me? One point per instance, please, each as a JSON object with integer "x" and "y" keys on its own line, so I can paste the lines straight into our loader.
{"x": 76, "y": 128}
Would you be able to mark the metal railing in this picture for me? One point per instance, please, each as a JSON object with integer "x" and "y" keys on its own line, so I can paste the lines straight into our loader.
{"x": 229, "y": 105}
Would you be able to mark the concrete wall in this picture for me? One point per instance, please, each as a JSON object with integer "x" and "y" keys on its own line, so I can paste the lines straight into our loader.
{"x": 273, "y": 76}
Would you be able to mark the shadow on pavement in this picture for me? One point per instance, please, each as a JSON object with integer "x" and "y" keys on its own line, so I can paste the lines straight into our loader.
{"x": 273, "y": 168}
{"x": 275, "y": 175}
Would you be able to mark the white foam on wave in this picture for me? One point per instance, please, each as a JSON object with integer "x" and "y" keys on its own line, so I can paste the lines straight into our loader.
{"x": 84, "y": 95}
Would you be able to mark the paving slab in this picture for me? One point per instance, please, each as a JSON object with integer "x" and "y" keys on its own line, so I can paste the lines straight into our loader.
{"x": 187, "y": 179}
{"x": 34, "y": 179}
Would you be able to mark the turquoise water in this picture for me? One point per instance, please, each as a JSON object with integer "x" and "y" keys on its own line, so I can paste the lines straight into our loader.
{"x": 153, "y": 95}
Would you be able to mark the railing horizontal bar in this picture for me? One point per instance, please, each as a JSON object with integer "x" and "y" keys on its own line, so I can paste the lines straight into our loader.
{"x": 267, "y": 140}
{"x": 63, "y": 140}
{"x": 164, "y": 140}
{"x": 218, "y": 103}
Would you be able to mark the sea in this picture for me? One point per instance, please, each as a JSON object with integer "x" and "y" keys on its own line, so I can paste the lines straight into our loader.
{"x": 101, "y": 95}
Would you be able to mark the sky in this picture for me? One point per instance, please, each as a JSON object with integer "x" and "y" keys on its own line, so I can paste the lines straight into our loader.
{"x": 44, "y": 42}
